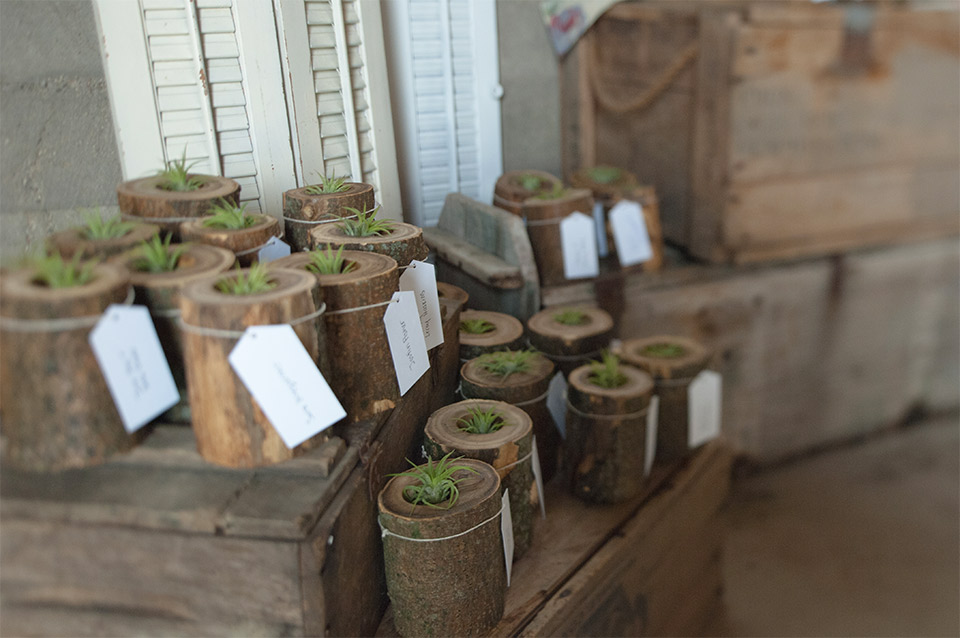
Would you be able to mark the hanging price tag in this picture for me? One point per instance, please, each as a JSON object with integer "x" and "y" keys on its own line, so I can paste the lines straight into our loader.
{"x": 405, "y": 337}
{"x": 273, "y": 249}
{"x": 557, "y": 402}
{"x": 630, "y": 233}
{"x": 506, "y": 531}
{"x": 579, "y": 246}
{"x": 538, "y": 477}
{"x": 127, "y": 348}
{"x": 421, "y": 279}
{"x": 653, "y": 416}
{"x": 704, "y": 395}
{"x": 284, "y": 381}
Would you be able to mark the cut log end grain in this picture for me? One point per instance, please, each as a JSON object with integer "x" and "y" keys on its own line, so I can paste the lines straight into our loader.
{"x": 449, "y": 291}
{"x": 509, "y": 192}
{"x": 606, "y": 192}
{"x": 404, "y": 243}
{"x": 563, "y": 340}
{"x": 693, "y": 359}
{"x": 144, "y": 198}
{"x": 507, "y": 334}
{"x": 299, "y": 205}
{"x": 242, "y": 242}
{"x": 73, "y": 240}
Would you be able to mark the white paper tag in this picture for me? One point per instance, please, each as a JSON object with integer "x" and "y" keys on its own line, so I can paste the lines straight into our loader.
{"x": 421, "y": 279}
{"x": 538, "y": 477}
{"x": 557, "y": 402}
{"x": 128, "y": 351}
{"x": 273, "y": 249}
{"x": 407, "y": 346}
{"x": 653, "y": 416}
{"x": 705, "y": 395}
{"x": 285, "y": 382}
{"x": 506, "y": 531}
{"x": 600, "y": 221}
{"x": 630, "y": 233}
{"x": 579, "y": 245}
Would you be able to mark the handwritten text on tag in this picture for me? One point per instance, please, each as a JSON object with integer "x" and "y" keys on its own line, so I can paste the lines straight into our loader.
{"x": 630, "y": 233}
{"x": 405, "y": 337}
{"x": 420, "y": 278}
{"x": 579, "y": 245}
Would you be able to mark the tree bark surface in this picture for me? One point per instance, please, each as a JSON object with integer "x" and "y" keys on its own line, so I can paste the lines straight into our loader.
{"x": 405, "y": 243}
{"x": 507, "y": 334}
{"x": 144, "y": 200}
{"x": 72, "y": 241}
{"x": 570, "y": 346}
{"x": 509, "y": 193}
{"x": 303, "y": 211}
{"x": 544, "y": 217}
{"x": 242, "y": 242}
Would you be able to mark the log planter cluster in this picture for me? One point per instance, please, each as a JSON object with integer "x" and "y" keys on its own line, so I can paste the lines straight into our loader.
{"x": 303, "y": 211}
{"x": 403, "y": 243}
{"x": 501, "y": 332}
{"x": 444, "y": 564}
{"x": 673, "y": 362}
{"x": 57, "y": 412}
{"x": 242, "y": 242}
{"x": 543, "y": 216}
{"x": 570, "y": 335}
{"x": 606, "y": 434}
{"x": 515, "y": 187}
{"x": 230, "y": 428}
{"x": 75, "y": 240}
{"x": 145, "y": 200}
{"x": 509, "y": 450}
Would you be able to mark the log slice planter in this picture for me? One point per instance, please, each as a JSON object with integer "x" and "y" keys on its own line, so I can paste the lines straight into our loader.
{"x": 526, "y": 390}
{"x": 242, "y": 242}
{"x": 57, "y": 412}
{"x": 509, "y": 193}
{"x": 509, "y": 450}
{"x": 144, "y": 200}
{"x": 361, "y": 371}
{"x": 673, "y": 362}
{"x": 606, "y": 191}
{"x": 444, "y": 567}
{"x": 451, "y": 296}
{"x": 570, "y": 346}
{"x": 74, "y": 240}
{"x": 507, "y": 334}
{"x": 404, "y": 243}
{"x": 303, "y": 211}
{"x": 543, "y": 226}
{"x": 606, "y": 435}
{"x": 230, "y": 428}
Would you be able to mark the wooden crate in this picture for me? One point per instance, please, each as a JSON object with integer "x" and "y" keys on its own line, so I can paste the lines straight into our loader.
{"x": 794, "y": 128}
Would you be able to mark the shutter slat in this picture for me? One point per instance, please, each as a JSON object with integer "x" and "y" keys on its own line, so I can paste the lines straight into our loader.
{"x": 165, "y": 22}
{"x": 174, "y": 73}
{"x": 215, "y": 21}
{"x": 220, "y": 45}
{"x": 178, "y": 98}
{"x": 225, "y": 70}
{"x": 233, "y": 142}
{"x": 231, "y": 118}
{"x": 319, "y": 13}
{"x": 173, "y": 123}
{"x": 240, "y": 165}
{"x": 227, "y": 94}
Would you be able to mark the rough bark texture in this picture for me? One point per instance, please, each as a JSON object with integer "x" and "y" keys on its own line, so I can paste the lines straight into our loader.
{"x": 57, "y": 412}
{"x": 300, "y": 208}
{"x": 72, "y": 241}
{"x": 242, "y": 242}
{"x": 604, "y": 451}
{"x": 502, "y": 449}
{"x": 451, "y": 587}
{"x": 606, "y": 193}
{"x": 143, "y": 198}
{"x": 672, "y": 376}
{"x": 231, "y": 429}
{"x": 570, "y": 346}
{"x": 509, "y": 193}
{"x": 507, "y": 334}
{"x": 405, "y": 243}
{"x": 544, "y": 217}
{"x": 526, "y": 390}
{"x": 361, "y": 367}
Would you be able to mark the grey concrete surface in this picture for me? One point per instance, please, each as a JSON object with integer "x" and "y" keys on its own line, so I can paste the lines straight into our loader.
{"x": 859, "y": 541}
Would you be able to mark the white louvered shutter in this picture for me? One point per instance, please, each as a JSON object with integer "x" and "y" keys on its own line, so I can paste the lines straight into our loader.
{"x": 445, "y": 83}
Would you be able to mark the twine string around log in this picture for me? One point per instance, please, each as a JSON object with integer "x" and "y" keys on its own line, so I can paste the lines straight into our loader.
{"x": 384, "y": 532}
{"x": 344, "y": 311}
{"x": 629, "y": 415}
{"x": 221, "y": 333}
{"x": 314, "y": 222}
{"x": 14, "y": 324}
{"x": 515, "y": 463}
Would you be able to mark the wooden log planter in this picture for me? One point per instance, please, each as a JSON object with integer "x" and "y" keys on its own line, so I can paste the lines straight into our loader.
{"x": 526, "y": 389}
{"x": 245, "y": 243}
{"x": 230, "y": 428}
{"x": 444, "y": 567}
{"x": 145, "y": 200}
{"x": 57, "y": 412}
{"x": 570, "y": 335}
{"x": 303, "y": 211}
{"x": 501, "y": 332}
{"x": 673, "y": 362}
{"x": 450, "y": 295}
{"x": 515, "y": 187}
{"x": 543, "y": 217}
{"x": 75, "y": 240}
{"x": 361, "y": 371}
{"x": 403, "y": 243}
{"x": 509, "y": 450}
{"x": 160, "y": 293}
{"x": 607, "y": 183}
{"x": 606, "y": 434}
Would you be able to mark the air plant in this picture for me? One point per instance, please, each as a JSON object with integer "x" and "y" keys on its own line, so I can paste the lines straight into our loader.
{"x": 605, "y": 174}
{"x": 530, "y": 182}
{"x": 365, "y": 224}
{"x": 97, "y": 228}
{"x": 255, "y": 279}
{"x": 329, "y": 262}
{"x": 476, "y": 326}
{"x": 156, "y": 255}
{"x": 435, "y": 483}
{"x": 663, "y": 350}
{"x": 507, "y": 362}
{"x": 480, "y": 421}
{"x": 230, "y": 216}
{"x": 328, "y": 185}
{"x": 176, "y": 176}
{"x": 606, "y": 373}
{"x": 571, "y": 317}
{"x": 556, "y": 192}
{"x": 52, "y": 271}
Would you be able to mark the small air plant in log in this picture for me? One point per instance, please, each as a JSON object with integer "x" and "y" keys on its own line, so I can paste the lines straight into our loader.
{"x": 607, "y": 183}
{"x": 607, "y": 404}
{"x": 543, "y": 213}
{"x": 99, "y": 237}
{"x": 673, "y": 362}
{"x": 318, "y": 204}
{"x": 571, "y": 335}
{"x": 441, "y": 537}
{"x": 329, "y": 262}
{"x": 520, "y": 378}
{"x": 361, "y": 230}
{"x": 515, "y": 187}
{"x": 483, "y": 331}
{"x": 230, "y": 226}
{"x": 57, "y": 410}
{"x": 174, "y": 195}
{"x": 499, "y": 434}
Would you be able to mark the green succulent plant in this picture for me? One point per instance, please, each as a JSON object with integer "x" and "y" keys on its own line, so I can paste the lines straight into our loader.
{"x": 328, "y": 185}
{"x": 476, "y": 326}
{"x": 507, "y": 362}
{"x": 327, "y": 262}
{"x": 606, "y": 373}
{"x": 250, "y": 282}
{"x": 156, "y": 255}
{"x": 556, "y": 192}
{"x": 480, "y": 421}
{"x": 176, "y": 176}
{"x": 228, "y": 215}
{"x": 365, "y": 225}
{"x": 530, "y": 182}
{"x": 52, "y": 271}
{"x": 605, "y": 174}
{"x": 571, "y": 317}
{"x": 663, "y": 350}
{"x": 435, "y": 485}
{"x": 97, "y": 228}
